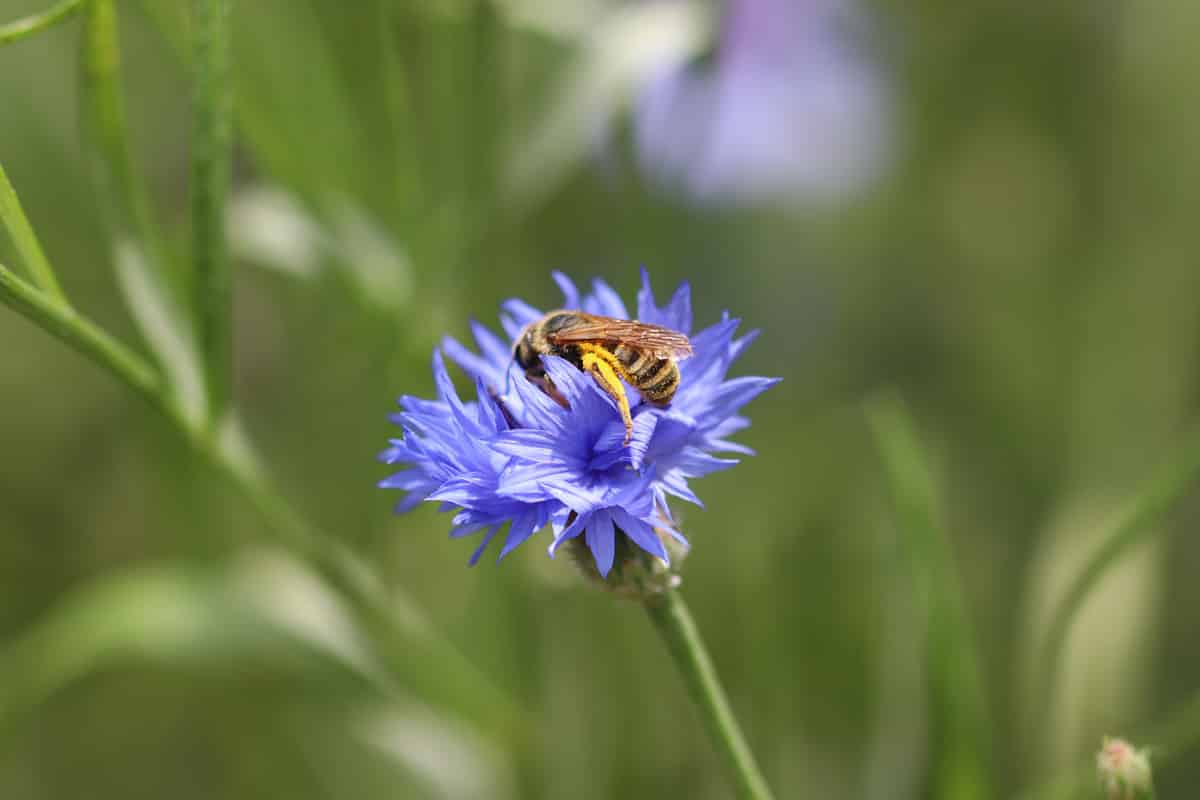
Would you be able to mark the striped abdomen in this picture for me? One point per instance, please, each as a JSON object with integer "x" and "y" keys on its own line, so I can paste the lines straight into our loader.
{"x": 656, "y": 378}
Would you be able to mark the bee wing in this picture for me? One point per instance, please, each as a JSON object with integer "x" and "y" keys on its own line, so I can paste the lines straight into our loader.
{"x": 656, "y": 340}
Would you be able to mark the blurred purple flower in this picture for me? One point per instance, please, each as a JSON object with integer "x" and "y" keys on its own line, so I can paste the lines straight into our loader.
{"x": 788, "y": 108}
{"x": 514, "y": 456}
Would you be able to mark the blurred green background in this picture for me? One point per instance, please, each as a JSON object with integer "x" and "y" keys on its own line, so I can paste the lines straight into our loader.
{"x": 1019, "y": 266}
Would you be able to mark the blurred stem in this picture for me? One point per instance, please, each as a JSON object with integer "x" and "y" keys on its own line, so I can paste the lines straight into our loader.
{"x": 678, "y": 630}
{"x": 27, "y": 26}
{"x": 1163, "y": 491}
{"x": 12, "y": 216}
{"x": 66, "y": 324}
{"x": 425, "y": 661}
{"x": 956, "y": 684}
{"x": 409, "y": 648}
{"x": 212, "y": 126}
{"x": 107, "y": 136}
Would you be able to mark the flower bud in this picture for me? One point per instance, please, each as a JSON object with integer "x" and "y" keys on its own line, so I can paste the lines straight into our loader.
{"x": 635, "y": 573}
{"x": 1124, "y": 772}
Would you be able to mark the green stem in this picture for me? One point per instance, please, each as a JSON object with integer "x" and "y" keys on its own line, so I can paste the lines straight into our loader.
{"x": 1171, "y": 483}
{"x": 77, "y": 331}
{"x": 212, "y": 126}
{"x": 13, "y": 218}
{"x": 27, "y": 26}
{"x": 678, "y": 630}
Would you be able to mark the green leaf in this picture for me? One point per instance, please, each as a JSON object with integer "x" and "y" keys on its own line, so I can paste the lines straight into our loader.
{"x": 212, "y": 141}
{"x": 163, "y": 326}
{"x": 263, "y": 608}
{"x": 28, "y": 26}
{"x": 956, "y": 685}
{"x": 13, "y": 218}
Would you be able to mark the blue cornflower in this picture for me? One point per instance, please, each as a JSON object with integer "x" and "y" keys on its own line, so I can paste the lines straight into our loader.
{"x": 515, "y": 456}
{"x": 792, "y": 106}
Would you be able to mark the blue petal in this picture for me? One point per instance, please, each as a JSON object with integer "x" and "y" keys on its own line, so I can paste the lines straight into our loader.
{"x": 678, "y": 315}
{"x": 490, "y": 416}
{"x": 570, "y": 532}
{"x": 541, "y": 410}
{"x": 567, "y": 379}
{"x": 641, "y": 534}
{"x": 575, "y": 496}
{"x": 478, "y": 368}
{"x": 493, "y": 349}
{"x": 676, "y": 485}
{"x": 466, "y": 528}
{"x": 409, "y": 479}
{"x": 601, "y": 541}
{"x": 647, "y": 308}
{"x": 636, "y": 497}
{"x": 695, "y": 463}
{"x": 408, "y": 503}
{"x": 732, "y": 395}
{"x": 512, "y": 328}
{"x": 522, "y": 312}
{"x": 527, "y": 482}
{"x": 587, "y": 400}
{"x": 740, "y": 344}
{"x": 448, "y": 394}
{"x": 644, "y": 425}
{"x": 669, "y": 435}
{"x": 487, "y": 539}
{"x": 521, "y": 529}
{"x": 570, "y": 293}
{"x": 536, "y": 447}
{"x": 605, "y": 301}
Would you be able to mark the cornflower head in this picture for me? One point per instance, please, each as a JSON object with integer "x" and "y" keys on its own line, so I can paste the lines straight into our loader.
{"x": 791, "y": 106}
{"x": 516, "y": 456}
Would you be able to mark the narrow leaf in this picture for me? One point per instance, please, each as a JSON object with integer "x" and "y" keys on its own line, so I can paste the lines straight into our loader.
{"x": 13, "y": 218}
{"x": 959, "y": 710}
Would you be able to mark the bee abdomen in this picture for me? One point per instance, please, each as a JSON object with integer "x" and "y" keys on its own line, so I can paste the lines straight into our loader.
{"x": 658, "y": 380}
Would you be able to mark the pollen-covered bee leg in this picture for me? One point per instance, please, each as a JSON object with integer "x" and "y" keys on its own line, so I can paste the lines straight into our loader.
{"x": 610, "y": 382}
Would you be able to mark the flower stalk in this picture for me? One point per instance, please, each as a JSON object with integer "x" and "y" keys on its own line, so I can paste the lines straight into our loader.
{"x": 409, "y": 649}
{"x": 675, "y": 625}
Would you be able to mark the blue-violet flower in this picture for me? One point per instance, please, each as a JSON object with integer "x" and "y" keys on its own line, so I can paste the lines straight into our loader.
{"x": 514, "y": 456}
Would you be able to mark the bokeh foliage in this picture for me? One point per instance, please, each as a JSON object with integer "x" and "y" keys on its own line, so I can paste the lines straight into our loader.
{"x": 1023, "y": 276}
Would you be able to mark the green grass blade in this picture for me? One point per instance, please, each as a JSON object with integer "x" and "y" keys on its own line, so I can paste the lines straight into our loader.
{"x": 140, "y": 260}
{"x": 1171, "y": 483}
{"x": 212, "y": 132}
{"x": 107, "y": 141}
{"x": 959, "y": 704}
{"x": 34, "y": 23}
{"x": 12, "y": 216}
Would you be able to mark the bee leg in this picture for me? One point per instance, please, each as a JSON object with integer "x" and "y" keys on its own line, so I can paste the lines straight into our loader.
{"x": 610, "y": 382}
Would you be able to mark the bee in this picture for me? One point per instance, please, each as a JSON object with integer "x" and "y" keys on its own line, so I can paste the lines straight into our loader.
{"x": 610, "y": 350}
